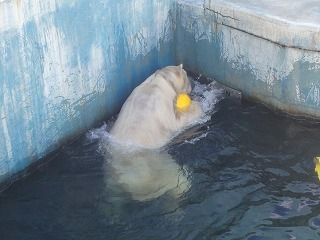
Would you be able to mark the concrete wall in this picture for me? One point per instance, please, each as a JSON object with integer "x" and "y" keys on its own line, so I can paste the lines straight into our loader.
{"x": 67, "y": 64}
{"x": 262, "y": 48}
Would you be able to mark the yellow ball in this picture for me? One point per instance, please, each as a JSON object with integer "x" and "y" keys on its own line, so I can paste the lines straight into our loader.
{"x": 183, "y": 102}
{"x": 317, "y": 168}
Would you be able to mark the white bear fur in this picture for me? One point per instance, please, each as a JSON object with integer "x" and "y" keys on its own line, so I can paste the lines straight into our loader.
{"x": 148, "y": 120}
{"x": 149, "y": 117}
{"x": 145, "y": 174}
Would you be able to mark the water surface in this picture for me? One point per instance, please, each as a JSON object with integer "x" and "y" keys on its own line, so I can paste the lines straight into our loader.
{"x": 250, "y": 173}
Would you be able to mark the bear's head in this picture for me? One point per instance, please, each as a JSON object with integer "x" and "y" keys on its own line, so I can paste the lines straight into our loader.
{"x": 177, "y": 77}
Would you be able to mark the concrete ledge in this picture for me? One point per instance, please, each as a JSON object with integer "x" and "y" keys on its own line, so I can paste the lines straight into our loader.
{"x": 293, "y": 24}
{"x": 257, "y": 47}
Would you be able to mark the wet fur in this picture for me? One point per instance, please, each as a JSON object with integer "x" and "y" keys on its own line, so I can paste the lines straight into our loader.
{"x": 149, "y": 117}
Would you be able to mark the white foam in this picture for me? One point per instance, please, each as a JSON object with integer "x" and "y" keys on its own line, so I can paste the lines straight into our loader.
{"x": 207, "y": 95}
{"x": 196, "y": 139}
{"x": 97, "y": 133}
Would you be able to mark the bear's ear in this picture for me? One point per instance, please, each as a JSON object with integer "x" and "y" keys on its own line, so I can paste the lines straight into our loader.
{"x": 181, "y": 66}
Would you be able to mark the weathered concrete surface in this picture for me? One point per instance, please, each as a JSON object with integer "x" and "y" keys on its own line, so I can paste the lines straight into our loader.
{"x": 66, "y": 64}
{"x": 269, "y": 50}
{"x": 290, "y": 23}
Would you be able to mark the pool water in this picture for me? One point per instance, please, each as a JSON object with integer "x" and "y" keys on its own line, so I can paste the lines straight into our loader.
{"x": 248, "y": 174}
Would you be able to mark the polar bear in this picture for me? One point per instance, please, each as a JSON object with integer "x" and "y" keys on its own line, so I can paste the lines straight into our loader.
{"x": 149, "y": 117}
{"x": 135, "y": 162}
{"x": 145, "y": 174}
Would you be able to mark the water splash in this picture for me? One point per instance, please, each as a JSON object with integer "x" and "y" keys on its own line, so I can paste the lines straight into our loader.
{"x": 208, "y": 95}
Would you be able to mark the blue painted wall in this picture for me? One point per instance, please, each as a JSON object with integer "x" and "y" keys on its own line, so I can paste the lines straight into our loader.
{"x": 271, "y": 61}
{"x": 66, "y": 64}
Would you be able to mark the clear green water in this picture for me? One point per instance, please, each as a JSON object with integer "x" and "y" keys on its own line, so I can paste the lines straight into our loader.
{"x": 251, "y": 176}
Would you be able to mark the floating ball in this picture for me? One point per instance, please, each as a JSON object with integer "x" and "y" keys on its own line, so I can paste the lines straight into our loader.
{"x": 317, "y": 168}
{"x": 183, "y": 102}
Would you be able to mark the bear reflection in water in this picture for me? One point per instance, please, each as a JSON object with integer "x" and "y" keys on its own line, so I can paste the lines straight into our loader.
{"x": 148, "y": 120}
{"x": 145, "y": 174}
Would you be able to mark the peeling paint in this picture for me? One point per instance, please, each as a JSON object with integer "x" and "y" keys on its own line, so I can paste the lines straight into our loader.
{"x": 270, "y": 60}
{"x": 64, "y": 65}
{"x": 314, "y": 94}
{"x": 6, "y": 136}
{"x": 15, "y": 13}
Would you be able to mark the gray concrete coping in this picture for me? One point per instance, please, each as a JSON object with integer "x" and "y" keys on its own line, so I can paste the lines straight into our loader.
{"x": 291, "y": 23}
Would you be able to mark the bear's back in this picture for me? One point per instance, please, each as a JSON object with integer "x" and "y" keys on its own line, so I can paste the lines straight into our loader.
{"x": 147, "y": 114}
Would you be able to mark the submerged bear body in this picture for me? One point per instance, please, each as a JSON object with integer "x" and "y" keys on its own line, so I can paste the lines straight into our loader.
{"x": 153, "y": 113}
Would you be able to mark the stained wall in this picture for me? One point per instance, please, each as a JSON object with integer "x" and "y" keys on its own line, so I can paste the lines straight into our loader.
{"x": 65, "y": 65}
